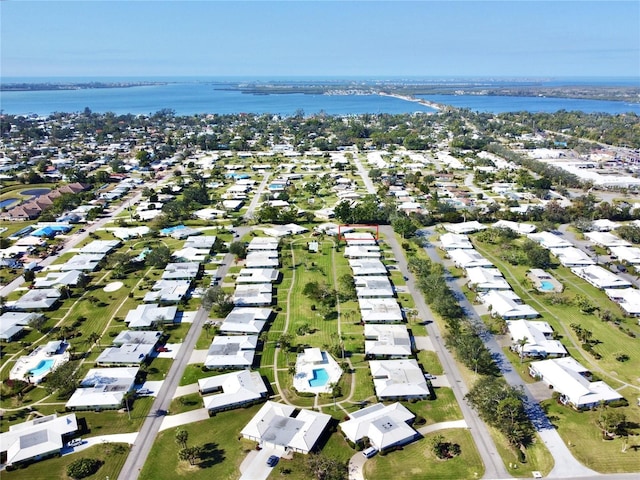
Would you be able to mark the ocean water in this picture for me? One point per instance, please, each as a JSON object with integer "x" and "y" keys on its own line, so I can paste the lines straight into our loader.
{"x": 193, "y": 97}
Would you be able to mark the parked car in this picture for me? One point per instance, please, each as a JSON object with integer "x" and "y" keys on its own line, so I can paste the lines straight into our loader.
{"x": 162, "y": 349}
{"x": 144, "y": 391}
{"x": 621, "y": 268}
{"x": 75, "y": 442}
{"x": 369, "y": 452}
{"x": 272, "y": 461}
{"x": 429, "y": 376}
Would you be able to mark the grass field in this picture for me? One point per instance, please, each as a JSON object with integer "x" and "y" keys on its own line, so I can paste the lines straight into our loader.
{"x": 113, "y": 455}
{"x": 417, "y": 462}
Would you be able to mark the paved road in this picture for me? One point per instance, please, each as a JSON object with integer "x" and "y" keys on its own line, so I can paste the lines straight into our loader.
{"x": 256, "y": 198}
{"x": 494, "y": 467}
{"x": 153, "y": 423}
{"x": 566, "y": 466}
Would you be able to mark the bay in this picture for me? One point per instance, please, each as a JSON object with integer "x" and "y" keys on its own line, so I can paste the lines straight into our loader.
{"x": 196, "y": 98}
{"x": 188, "y": 98}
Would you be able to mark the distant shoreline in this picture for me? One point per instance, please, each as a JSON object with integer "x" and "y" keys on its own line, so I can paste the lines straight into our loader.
{"x": 53, "y": 86}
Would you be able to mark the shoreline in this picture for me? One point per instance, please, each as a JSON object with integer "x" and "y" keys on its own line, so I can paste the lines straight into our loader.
{"x": 408, "y": 98}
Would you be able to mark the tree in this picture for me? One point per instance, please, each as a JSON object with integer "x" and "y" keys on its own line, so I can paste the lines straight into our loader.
{"x": 93, "y": 338}
{"x": 403, "y": 225}
{"x": 191, "y": 454}
{"x": 521, "y": 343}
{"x": 158, "y": 257}
{"x": 38, "y": 322}
{"x": 63, "y": 379}
{"x": 217, "y": 299}
{"x": 182, "y": 436}
{"x": 612, "y": 422}
{"x": 285, "y": 341}
{"x": 322, "y": 467}
{"x": 346, "y": 288}
{"x": 83, "y": 467}
{"x": 239, "y": 249}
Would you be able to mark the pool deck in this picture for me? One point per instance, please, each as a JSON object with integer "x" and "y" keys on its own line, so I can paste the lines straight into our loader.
{"x": 305, "y": 365}
{"x": 29, "y": 362}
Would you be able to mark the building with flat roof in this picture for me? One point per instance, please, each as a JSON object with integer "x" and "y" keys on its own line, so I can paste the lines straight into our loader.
{"x": 538, "y": 336}
{"x": 232, "y": 390}
{"x": 235, "y": 351}
{"x": 150, "y": 314}
{"x": 387, "y": 341}
{"x": 103, "y": 389}
{"x": 600, "y": 277}
{"x": 398, "y": 379}
{"x": 246, "y": 320}
{"x": 37, "y": 439}
{"x": 286, "y": 429}
{"x": 385, "y": 426}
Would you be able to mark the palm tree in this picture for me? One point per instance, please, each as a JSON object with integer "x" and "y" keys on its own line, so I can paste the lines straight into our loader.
{"x": 93, "y": 338}
{"x": 521, "y": 343}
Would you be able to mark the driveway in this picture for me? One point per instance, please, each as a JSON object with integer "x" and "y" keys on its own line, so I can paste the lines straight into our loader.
{"x": 356, "y": 466}
{"x": 172, "y": 421}
{"x": 129, "y": 438}
{"x": 254, "y": 466}
{"x": 198, "y": 356}
{"x": 424, "y": 343}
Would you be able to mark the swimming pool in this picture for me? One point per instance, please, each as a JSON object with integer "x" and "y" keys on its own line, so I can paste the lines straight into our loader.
{"x": 320, "y": 378}
{"x": 545, "y": 285}
{"x": 43, "y": 367}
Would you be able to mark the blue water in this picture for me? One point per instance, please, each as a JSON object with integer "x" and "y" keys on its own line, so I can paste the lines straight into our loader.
{"x": 7, "y": 202}
{"x": 502, "y": 104}
{"x": 193, "y": 98}
{"x": 43, "y": 367}
{"x": 544, "y": 285}
{"x": 320, "y": 378}
{"x": 36, "y": 192}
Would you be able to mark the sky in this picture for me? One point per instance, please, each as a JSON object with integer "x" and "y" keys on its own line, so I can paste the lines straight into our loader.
{"x": 420, "y": 38}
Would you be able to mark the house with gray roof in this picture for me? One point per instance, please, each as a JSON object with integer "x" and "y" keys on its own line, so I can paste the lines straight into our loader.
{"x": 37, "y": 439}
{"x": 387, "y": 341}
{"x": 85, "y": 262}
{"x": 235, "y": 351}
{"x": 12, "y": 323}
{"x": 246, "y": 320}
{"x": 37, "y": 299}
{"x": 100, "y": 246}
{"x": 168, "y": 291}
{"x": 69, "y": 278}
{"x": 181, "y": 271}
{"x": 149, "y": 314}
{"x": 232, "y": 390}
{"x": 103, "y": 389}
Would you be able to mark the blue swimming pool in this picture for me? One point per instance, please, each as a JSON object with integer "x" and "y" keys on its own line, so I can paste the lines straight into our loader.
{"x": 320, "y": 378}
{"x": 43, "y": 367}
{"x": 544, "y": 285}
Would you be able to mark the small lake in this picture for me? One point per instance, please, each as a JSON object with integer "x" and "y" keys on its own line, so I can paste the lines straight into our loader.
{"x": 36, "y": 192}
{"x": 8, "y": 201}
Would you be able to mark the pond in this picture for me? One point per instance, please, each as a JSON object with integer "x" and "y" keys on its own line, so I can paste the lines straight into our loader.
{"x": 6, "y": 202}
{"x": 36, "y": 192}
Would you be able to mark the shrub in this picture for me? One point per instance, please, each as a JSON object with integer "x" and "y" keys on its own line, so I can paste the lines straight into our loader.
{"x": 83, "y": 467}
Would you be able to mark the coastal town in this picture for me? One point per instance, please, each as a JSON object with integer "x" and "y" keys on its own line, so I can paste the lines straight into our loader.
{"x": 445, "y": 295}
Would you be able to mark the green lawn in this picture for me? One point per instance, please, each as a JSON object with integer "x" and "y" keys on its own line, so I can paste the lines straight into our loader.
{"x": 443, "y": 409}
{"x": 581, "y": 434}
{"x": 220, "y": 438}
{"x": 417, "y": 461}
{"x": 113, "y": 455}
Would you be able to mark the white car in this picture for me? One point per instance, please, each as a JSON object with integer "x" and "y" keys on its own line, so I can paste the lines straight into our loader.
{"x": 144, "y": 391}
{"x": 75, "y": 442}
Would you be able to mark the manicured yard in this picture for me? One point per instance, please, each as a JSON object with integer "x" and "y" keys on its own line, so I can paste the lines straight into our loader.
{"x": 417, "y": 461}
{"x": 219, "y": 435}
{"x": 113, "y": 455}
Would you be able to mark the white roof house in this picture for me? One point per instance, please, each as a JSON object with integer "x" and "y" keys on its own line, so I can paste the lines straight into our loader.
{"x": 246, "y": 320}
{"x": 12, "y": 323}
{"x": 372, "y": 266}
{"x": 232, "y": 390}
{"x": 149, "y": 314}
{"x": 453, "y": 241}
{"x": 181, "y": 271}
{"x": 572, "y": 257}
{"x": 362, "y": 251}
{"x": 630, "y": 255}
{"x": 263, "y": 243}
{"x": 606, "y": 239}
{"x": 257, "y": 275}
{"x": 191, "y": 254}
{"x": 235, "y": 351}
{"x": 384, "y": 425}
{"x": 137, "y": 336}
{"x": 627, "y": 298}
{"x": 253, "y": 295}
{"x": 262, "y": 259}
{"x": 37, "y": 438}
{"x": 200, "y": 242}
{"x": 69, "y": 278}
{"x": 86, "y": 262}
{"x": 539, "y": 337}
{"x": 572, "y": 381}
{"x": 390, "y": 341}
{"x": 276, "y": 426}
{"x": 168, "y": 291}
{"x": 485, "y": 279}
{"x": 100, "y": 246}
{"x": 127, "y": 354}
{"x": 357, "y": 238}
{"x": 549, "y": 240}
{"x": 465, "y": 227}
{"x": 398, "y": 379}
{"x": 373, "y": 287}
{"x": 380, "y": 310}
{"x": 467, "y": 258}
{"x": 600, "y": 277}
{"x": 37, "y": 299}
{"x": 604, "y": 225}
{"x": 521, "y": 228}
{"x": 103, "y": 389}
{"x": 506, "y": 304}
